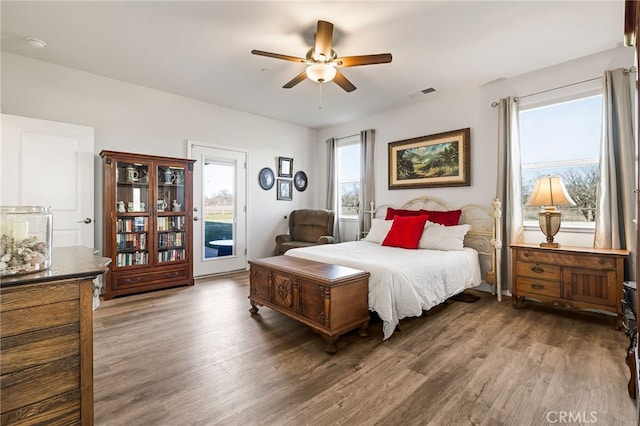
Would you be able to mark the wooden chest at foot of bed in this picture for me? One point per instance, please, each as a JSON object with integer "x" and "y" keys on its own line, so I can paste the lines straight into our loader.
{"x": 331, "y": 299}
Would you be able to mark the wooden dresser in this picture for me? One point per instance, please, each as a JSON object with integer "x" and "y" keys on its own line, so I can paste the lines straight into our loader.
{"x": 46, "y": 329}
{"x": 331, "y": 299}
{"x": 569, "y": 277}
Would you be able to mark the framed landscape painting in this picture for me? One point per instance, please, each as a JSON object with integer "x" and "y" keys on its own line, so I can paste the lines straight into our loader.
{"x": 431, "y": 161}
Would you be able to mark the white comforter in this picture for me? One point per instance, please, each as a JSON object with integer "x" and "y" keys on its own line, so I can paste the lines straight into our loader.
{"x": 403, "y": 282}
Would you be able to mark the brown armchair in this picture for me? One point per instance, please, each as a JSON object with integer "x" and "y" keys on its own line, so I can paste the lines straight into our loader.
{"x": 307, "y": 227}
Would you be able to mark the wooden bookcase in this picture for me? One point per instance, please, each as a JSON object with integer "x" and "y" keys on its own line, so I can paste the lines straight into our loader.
{"x": 148, "y": 204}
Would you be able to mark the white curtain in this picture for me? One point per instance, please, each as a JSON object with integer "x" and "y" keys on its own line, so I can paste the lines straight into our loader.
{"x": 509, "y": 189}
{"x": 332, "y": 190}
{"x": 616, "y": 198}
{"x": 367, "y": 188}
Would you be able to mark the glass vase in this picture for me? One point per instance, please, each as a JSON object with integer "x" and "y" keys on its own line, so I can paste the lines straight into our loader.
{"x": 25, "y": 239}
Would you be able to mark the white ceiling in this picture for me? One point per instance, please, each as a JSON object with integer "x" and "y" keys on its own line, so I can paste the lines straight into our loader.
{"x": 202, "y": 49}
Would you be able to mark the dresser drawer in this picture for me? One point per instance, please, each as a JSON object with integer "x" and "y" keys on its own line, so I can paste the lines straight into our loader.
{"x": 533, "y": 286}
{"x": 590, "y": 260}
{"x": 137, "y": 279}
{"x": 539, "y": 271}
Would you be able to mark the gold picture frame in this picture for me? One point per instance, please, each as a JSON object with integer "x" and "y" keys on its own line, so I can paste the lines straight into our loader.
{"x": 438, "y": 160}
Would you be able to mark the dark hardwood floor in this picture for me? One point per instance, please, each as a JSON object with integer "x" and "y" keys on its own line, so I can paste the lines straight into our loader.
{"x": 195, "y": 356}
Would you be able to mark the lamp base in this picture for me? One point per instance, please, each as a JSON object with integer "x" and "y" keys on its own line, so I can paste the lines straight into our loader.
{"x": 549, "y": 245}
{"x": 549, "y": 219}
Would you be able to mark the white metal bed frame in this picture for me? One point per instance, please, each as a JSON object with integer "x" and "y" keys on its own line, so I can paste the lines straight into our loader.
{"x": 484, "y": 235}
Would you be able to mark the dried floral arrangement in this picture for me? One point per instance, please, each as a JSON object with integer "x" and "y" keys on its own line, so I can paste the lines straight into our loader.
{"x": 22, "y": 256}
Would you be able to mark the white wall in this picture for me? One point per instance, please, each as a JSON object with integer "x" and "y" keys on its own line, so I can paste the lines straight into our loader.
{"x": 137, "y": 119}
{"x": 467, "y": 107}
{"x": 132, "y": 118}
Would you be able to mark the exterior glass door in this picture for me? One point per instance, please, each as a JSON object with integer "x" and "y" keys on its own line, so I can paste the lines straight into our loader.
{"x": 219, "y": 192}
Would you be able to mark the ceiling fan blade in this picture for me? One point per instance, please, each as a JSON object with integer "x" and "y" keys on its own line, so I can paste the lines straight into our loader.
{"x": 297, "y": 79}
{"x": 324, "y": 34}
{"x": 277, "y": 56}
{"x": 354, "y": 61}
{"x": 342, "y": 81}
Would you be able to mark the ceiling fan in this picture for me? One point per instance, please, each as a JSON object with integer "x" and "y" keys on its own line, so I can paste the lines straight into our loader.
{"x": 322, "y": 60}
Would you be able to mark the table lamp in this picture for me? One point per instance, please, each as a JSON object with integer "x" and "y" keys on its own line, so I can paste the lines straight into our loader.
{"x": 548, "y": 193}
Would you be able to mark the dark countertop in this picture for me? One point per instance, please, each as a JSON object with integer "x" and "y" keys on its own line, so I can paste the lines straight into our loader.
{"x": 67, "y": 262}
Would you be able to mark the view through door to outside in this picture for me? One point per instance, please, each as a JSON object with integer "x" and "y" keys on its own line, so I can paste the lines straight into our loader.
{"x": 218, "y": 208}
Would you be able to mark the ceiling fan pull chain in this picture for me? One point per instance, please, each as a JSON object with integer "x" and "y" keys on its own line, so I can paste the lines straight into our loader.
{"x": 320, "y": 94}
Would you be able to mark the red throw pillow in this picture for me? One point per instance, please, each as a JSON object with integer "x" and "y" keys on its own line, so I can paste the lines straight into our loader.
{"x": 405, "y": 231}
{"x": 446, "y": 218}
{"x": 391, "y": 213}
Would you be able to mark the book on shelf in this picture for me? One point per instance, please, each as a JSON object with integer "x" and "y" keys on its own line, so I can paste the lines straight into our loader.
{"x": 132, "y": 224}
{"x": 171, "y": 223}
{"x": 131, "y": 241}
{"x": 171, "y": 239}
{"x": 171, "y": 255}
{"x": 135, "y": 258}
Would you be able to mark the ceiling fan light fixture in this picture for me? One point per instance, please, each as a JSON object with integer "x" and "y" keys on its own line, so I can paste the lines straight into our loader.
{"x": 321, "y": 73}
{"x": 322, "y": 60}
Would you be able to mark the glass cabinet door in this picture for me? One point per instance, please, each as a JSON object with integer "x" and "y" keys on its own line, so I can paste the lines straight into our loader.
{"x": 170, "y": 208}
{"x": 132, "y": 214}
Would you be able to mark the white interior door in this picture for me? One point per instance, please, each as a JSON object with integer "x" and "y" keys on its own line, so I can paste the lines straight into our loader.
{"x": 219, "y": 200}
{"x": 47, "y": 163}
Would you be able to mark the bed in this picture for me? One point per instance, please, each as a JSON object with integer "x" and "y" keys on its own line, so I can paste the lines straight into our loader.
{"x": 405, "y": 282}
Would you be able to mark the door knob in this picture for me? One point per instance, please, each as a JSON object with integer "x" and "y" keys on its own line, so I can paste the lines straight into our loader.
{"x": 87, "y": 220}
{"x": 195, "y": 218}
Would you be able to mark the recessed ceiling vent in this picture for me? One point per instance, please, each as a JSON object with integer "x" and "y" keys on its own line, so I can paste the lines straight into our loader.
{"x": 422, "y": 92}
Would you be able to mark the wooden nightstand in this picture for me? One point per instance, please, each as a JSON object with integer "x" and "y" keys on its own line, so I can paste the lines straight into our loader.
{"x": 570, "y": 277}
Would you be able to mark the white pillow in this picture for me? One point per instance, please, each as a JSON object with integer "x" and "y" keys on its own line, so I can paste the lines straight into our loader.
{"x": 379, "y": 230}
{"x": 440, "y": 237}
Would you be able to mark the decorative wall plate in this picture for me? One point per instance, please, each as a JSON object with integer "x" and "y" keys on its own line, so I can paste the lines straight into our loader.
{"x": 266, "y": 178}
{"x": 300, "y": 181}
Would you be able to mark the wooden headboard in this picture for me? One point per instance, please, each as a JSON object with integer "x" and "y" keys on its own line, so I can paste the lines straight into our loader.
{"x": 484, "y": 235}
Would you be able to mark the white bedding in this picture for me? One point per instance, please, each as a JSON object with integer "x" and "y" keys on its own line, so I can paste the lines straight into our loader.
{"x": 403, "y": 282}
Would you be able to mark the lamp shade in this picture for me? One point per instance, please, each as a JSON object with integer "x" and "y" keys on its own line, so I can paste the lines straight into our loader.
{"x": 321, "y": 73}
{"x": 550, "y": 191}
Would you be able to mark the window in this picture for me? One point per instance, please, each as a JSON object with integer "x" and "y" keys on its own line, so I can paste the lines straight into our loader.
{"x": 349, "y": 177}
{"x": 563, "y": 139}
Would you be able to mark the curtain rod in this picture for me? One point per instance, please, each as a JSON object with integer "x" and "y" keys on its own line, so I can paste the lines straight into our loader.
{"x": 349, "y": 136}
{"x": 626, "y": 71}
